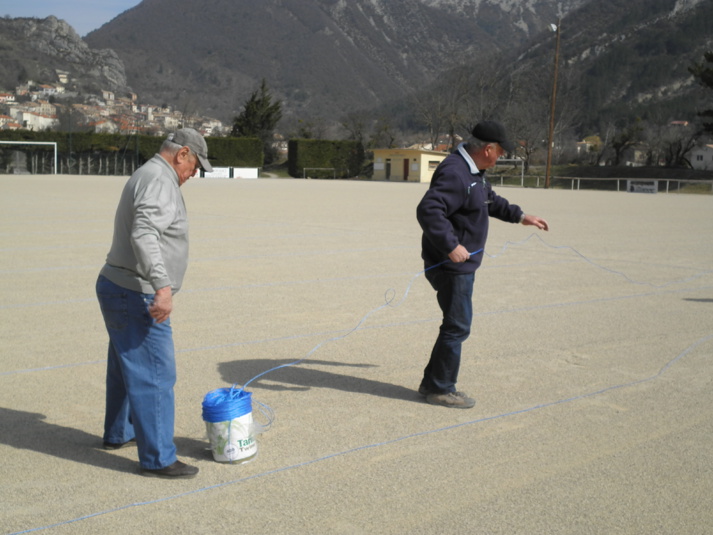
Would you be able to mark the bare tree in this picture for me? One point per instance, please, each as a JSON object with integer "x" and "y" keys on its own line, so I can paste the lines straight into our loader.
{"x": 677, "y": 142}
{"x": 356, "y": 125}
{"x": 527, "y": 113}
{"x": 315, "y": 128}
{"x": 653, "y": 134}
{"x": 490, "y": 91}
{"x": 432, "y": 111}
{"x": 383, "y": 135}
{"x": 623, "y": 139}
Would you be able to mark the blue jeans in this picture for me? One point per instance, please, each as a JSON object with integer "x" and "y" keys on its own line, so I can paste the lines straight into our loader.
{"x": 141, "y": 373}
{"x": 455, "y": 297}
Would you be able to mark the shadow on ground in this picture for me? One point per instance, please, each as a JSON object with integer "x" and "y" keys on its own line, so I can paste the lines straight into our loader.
{"x": 305, "y": 375}
{"x": 29, "y": 431}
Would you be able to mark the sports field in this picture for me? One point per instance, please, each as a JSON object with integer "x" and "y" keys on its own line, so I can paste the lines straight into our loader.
{"x": 591, "y": 361}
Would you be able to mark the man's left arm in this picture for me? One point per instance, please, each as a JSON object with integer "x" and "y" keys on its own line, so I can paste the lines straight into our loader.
{"x": 534, "y": 221}
{"x": 501, "y": 208}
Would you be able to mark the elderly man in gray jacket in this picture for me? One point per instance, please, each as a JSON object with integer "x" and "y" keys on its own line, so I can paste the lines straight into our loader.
{"x": 144, "y": 268}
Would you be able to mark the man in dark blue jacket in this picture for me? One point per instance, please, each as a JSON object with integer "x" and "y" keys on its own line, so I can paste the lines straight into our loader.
{"x": 454, "y": 215}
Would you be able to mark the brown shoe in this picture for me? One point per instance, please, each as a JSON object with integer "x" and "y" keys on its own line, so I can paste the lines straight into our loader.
{"x": 176, "y": 470}
{"x": 423, "y": 390}
{"x": 119, "y": 445}
{"x": 453, "y": 400}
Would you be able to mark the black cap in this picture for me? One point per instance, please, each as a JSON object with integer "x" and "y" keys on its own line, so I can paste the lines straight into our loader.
{"x": 493, "y": 132}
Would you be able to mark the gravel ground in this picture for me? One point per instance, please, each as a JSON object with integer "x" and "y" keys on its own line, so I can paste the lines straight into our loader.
{"x": 590, "y": 359}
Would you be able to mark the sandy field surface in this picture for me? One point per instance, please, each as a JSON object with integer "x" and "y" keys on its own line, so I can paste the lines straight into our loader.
{"x": 591, "y": 360}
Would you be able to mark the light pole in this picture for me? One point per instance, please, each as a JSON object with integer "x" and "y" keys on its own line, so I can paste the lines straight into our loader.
{"x": 553, "y": 100}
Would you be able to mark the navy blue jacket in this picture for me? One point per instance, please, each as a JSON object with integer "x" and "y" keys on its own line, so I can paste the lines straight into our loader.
{"x": 455, "y": 210}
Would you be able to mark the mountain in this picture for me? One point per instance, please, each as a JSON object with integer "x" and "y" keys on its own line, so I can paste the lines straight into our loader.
{"x": 320, "y": 57}
{"x": 34, "y": 49}
{"x": 634, "y": 61}
{"x": 621, "y": 65}
{"x": 323, "y": 59}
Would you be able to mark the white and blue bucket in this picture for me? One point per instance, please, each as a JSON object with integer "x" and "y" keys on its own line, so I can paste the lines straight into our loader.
{"x": 228, "y": 417}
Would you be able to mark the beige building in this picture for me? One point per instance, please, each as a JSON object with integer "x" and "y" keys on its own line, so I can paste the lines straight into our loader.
{"x": 411, "y": 165}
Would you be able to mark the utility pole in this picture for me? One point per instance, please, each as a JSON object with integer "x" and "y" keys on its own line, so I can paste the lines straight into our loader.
{"x": 553, "y": 100}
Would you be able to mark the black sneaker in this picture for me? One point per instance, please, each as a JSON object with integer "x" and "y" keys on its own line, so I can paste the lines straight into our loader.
{"x": 177, "y": 470}
{"x": 453, "y": 400}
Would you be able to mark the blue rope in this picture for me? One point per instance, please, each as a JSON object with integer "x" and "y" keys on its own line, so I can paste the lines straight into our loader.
{"x": 396, "y": 440}
{"x": 226, "y": 404}
{"x": 388, "y": 298}
{"x": 240, "y": 392}
{"x": 599, "y": 266}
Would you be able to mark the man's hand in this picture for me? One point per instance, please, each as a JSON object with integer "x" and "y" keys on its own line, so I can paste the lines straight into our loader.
{"x": 162, "y": 305}
{"x": 459, "y": 254}
{"x": 535, "y": 222}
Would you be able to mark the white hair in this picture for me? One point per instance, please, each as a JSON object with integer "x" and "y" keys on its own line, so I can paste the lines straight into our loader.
{"x": 475, "y": 144}
{"x": 170, "y": 147}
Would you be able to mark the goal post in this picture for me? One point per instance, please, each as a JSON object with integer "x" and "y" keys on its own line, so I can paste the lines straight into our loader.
{"x": 53, "y": 143}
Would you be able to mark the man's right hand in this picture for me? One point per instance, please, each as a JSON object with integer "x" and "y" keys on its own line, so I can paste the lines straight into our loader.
{"x": 162, "y": 305}
{"x": 459, "y": 254}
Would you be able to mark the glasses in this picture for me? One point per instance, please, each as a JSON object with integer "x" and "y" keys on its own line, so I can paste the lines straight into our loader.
{"x": 190, "y": 150}
{"x": 197, "y": 165}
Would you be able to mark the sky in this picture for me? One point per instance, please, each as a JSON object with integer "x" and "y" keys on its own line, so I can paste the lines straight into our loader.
{"x": 83, "y": 15}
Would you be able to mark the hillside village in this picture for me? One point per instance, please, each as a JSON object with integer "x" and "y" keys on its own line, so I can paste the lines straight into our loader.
{"x": 39, "y": 106}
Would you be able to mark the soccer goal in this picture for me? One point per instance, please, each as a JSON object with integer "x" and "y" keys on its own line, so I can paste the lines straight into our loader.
{"x": 319, "y": 172}
{"x": 53, "y": 143}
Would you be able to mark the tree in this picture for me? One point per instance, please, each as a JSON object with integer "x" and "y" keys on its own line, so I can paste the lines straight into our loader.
{"x": 355, "y": 124}
{"x": 526, "y": 112}
{"x": 313, "y": 128}
{"x": 383, "y": 135}
{"x": 432, "y": 112}
{"x": 668, "y": 143}
{"x": 259, "y": 119}
{"x": 704, "y": 74}
{"x": 677, "y": 142}
{"x": 623, "y": 140}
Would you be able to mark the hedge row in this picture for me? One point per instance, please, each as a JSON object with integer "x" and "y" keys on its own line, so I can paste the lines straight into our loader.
{"x": 222, "y": 151}
{"x": 346, "y": 158}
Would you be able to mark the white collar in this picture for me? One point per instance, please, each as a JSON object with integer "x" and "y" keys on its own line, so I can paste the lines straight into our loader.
{"x": 473, "y": 168}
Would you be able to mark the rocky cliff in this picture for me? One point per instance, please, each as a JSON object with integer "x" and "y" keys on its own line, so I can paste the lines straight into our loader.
{"x": 35, "y": 49}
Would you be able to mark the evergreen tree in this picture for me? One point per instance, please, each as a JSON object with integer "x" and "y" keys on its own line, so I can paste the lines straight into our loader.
{"x": 704, "y": 74}
{"x": 259, "y": 119}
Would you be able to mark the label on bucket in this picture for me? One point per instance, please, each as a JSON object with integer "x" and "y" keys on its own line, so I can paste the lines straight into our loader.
{"x": 232, "y": 441}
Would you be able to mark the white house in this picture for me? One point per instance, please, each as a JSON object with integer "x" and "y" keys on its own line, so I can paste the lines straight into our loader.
{"x": 105, "y": 127}
{"x": 36, "y": 121}
{"x": 702, "y": 157}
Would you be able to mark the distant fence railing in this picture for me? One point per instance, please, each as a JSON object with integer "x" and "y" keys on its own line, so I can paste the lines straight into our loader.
{"x": 637, "y": 185}
{"x": 644, "y": 185}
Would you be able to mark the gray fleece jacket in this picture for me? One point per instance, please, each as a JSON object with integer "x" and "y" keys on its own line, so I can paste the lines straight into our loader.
{"x": 149, "y": 250}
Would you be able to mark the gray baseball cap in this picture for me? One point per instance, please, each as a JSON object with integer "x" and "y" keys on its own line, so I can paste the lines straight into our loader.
{"x": 187, "y": 137}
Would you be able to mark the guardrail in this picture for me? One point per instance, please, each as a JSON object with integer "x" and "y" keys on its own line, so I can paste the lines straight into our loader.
{"x": 639, "y": 185}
